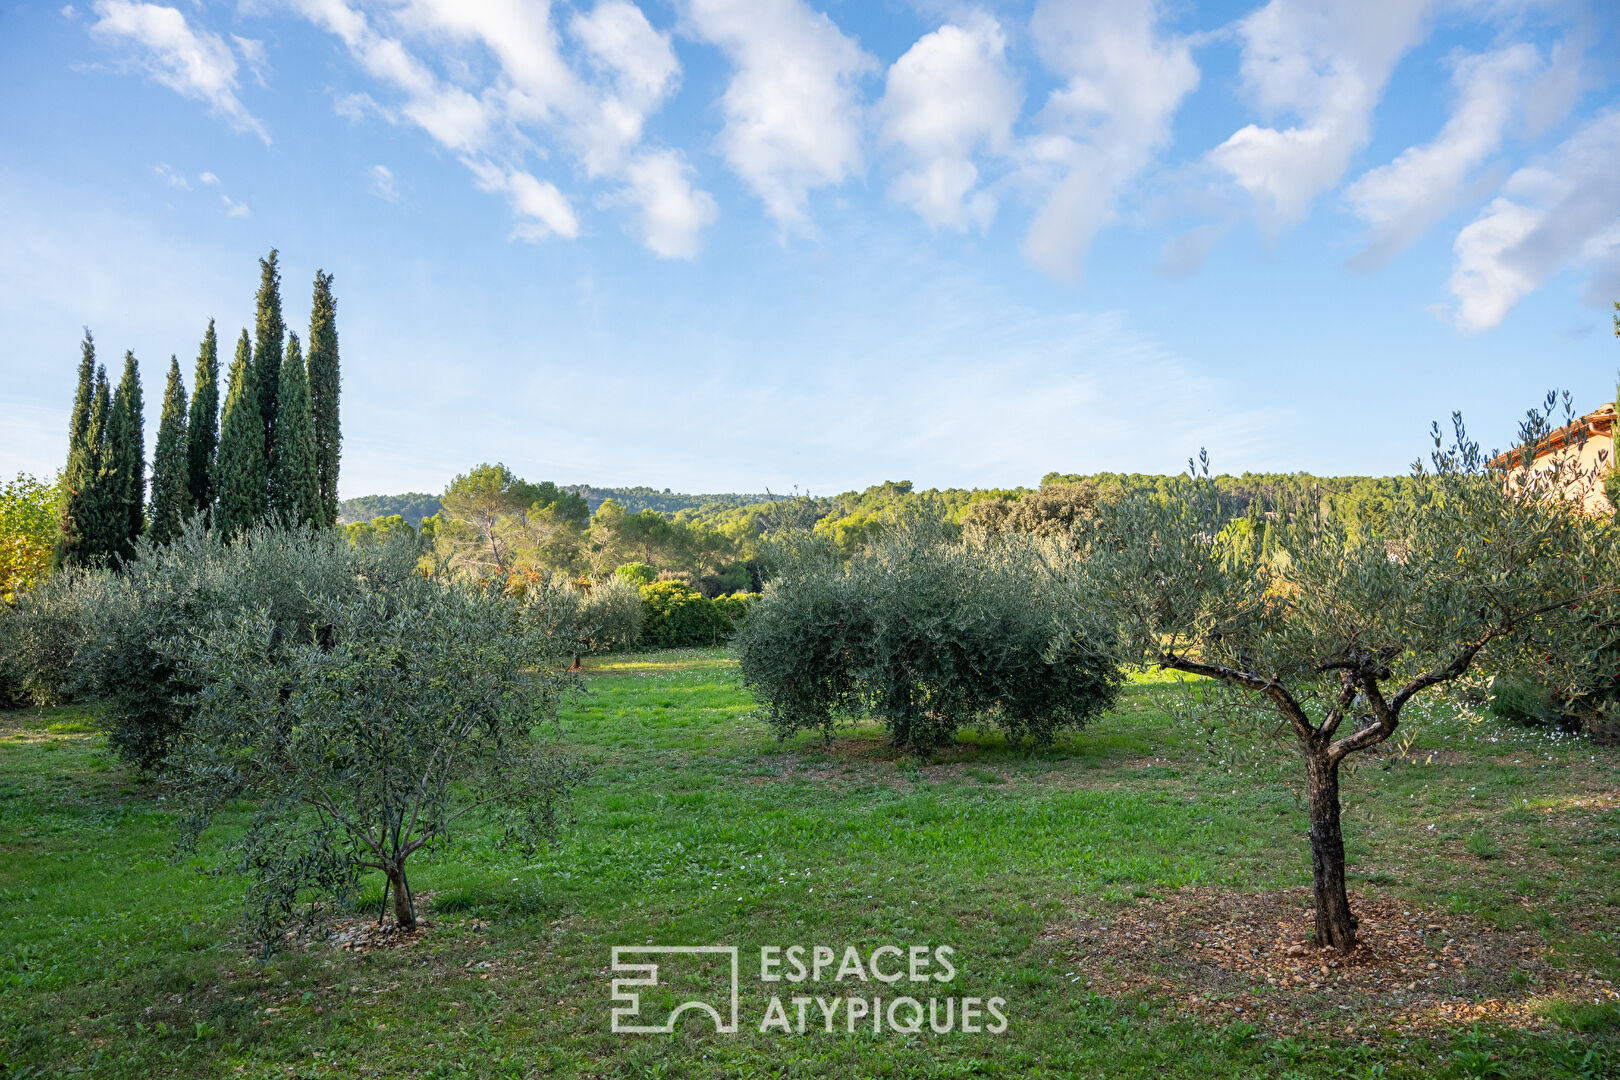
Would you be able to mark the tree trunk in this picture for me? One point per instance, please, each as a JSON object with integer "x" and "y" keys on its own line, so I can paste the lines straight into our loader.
{"x": 1335, "y": 925}
{"x": 404, "y": 910}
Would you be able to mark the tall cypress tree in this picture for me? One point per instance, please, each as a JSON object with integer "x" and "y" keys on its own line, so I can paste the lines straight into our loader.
{"x": 79, "y": 424}
{"x": 171, "y": 496}
{"x": 79, "y": 476}
{"x": 103, "y": 520}
{"x": 202, "y": 426}
{"x": 294, "y": 487}
{"x": 240, "y": 469}
{"x": 323, "y": 393}
{"x": 125, "y": 458}
{"x": 268, "y": 333}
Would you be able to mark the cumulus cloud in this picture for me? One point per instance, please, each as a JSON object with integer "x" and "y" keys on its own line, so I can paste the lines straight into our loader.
{"x": 626, "y": 70}
{"x": 1402, "y": 199}
{"x": 1326, "y": 65}
{"x": 792, "y": 108}
{"x": 1123, "y": 83}
{"x": 540, "y": 208}
{"x": 669, "y": 214}
{"x": 381, "y": 182}
{"x": 947, "y": 97}
{"x": 194, "y": 63}
{"x": 1560, "y": 212}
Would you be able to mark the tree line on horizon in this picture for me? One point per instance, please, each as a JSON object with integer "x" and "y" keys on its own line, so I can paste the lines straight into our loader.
{"x": 272, "y": 452}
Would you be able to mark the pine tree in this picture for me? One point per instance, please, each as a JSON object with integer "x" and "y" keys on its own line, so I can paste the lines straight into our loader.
{"x": 125, "y": 460}
{"x": 324, "y": 385}
{"x": 294, "y": 488}
{"x": 202, "y": 426}
{"x": 78, "y": 478}
{"x": 171, "y": 497}
{"x": 239, "y": 469}
{"x": 269, "y": 331}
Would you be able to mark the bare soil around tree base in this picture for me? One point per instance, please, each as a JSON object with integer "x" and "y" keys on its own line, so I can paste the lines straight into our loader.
{"x": 1228, "y": 956}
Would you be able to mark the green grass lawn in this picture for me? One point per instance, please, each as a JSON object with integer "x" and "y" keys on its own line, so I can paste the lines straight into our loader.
{"x": 698, "y": 827}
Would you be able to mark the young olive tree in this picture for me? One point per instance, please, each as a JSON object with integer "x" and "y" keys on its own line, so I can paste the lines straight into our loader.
{"x": 421, "y": 702}
{"x": 1336, "y": 630}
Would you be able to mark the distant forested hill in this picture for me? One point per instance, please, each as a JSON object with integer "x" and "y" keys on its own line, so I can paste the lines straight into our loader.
{"x": 636, "y": 499}
{"x": 413, "y": 506}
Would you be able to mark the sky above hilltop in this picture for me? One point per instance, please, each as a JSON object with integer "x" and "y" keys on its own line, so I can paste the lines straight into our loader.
{"x": 731, "y": 245}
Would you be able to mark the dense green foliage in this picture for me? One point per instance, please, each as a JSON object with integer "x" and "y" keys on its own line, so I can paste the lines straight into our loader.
{"x": 171, "y": 467}
{"x": 325, "y": 389}
{"x": 295, "y": 491}
{"x": 202, "y": 426}
{"x": 240, "y": 468}
{"x": 927, "y": 633}
{"x": 414, "y": 704}
{"x": 676, "y": 615}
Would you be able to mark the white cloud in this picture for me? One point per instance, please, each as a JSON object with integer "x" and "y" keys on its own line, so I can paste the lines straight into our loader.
{"x": 541, "y": 209}
{"x": 381, "y": 179}
{"x": 1325, "y": 64}
{"x": 208, "y": 178}
{"x": 254, "y": 56}
{"x": 669, "y": 213}
{"x": 1402, "y": 199}
{"x": 453, "y": 117}
{"x": 598, "y": 117}
{"x": 1124, "y": 82}
{"x": 235, "y": 209}
{"x": 172, "y": 178}
{"x": 947, "y": 97}
{"x": 1563, "y": 211}
{"x": 196, "y": 64}
{"x": 793, "y": 115}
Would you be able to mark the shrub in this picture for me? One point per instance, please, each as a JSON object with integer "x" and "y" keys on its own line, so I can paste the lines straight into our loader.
{"x": 583, "y": 617}
{"x": 675, "y": 615}
{"x": 97, "y": 634}
{"x": 636, "y": 573}
{"x": 927, "y": 632}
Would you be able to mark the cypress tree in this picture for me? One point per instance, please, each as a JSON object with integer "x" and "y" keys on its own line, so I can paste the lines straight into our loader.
{"x": 294, "y": 487}
{"x": 268, "y": 333}
{"x": 103, "y": 516}
{"x": 202, "y": 427}
{"x": 171, "y": 496}
{"x": 125, "y": 460}
{"x": 78, "y": 478}
{"x": 323, "y": 394}
{"x": 79, "y": 424}
{"x": 239, "y": 469}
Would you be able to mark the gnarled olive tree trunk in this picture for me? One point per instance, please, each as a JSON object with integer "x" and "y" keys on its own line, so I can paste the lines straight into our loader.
{"x": 1335, "y": 925}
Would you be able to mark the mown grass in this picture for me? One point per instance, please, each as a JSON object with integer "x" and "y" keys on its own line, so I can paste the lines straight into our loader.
{"x": 697, "y": 826}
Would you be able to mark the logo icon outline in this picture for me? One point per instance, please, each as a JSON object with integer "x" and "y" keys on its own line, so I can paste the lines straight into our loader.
{"x": 628, "y": 1000}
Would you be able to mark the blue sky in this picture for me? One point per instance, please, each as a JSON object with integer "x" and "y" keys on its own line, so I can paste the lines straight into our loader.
{"x": 725, "y": 245}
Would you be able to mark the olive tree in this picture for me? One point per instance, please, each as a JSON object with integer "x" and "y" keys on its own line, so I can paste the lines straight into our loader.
{"x": 925, "y": 631}
{"x": 419, "y": 703}
{"x": 1335, "y": 631}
